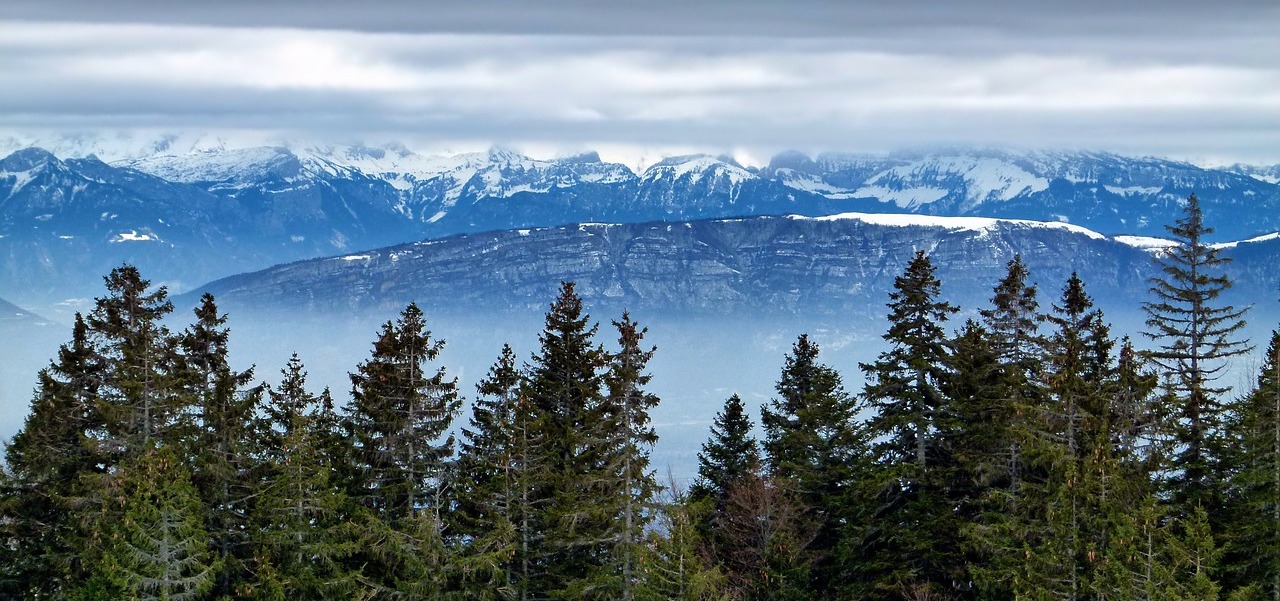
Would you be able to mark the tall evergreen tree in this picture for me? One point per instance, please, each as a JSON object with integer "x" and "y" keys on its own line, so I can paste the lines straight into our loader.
{"x": 627, "y": 484}
{"x": 140, "y": 396}
{"x": 43, "y": 486}
{"x": 912, "y": 535}
{"x": 813, "y": 439}
{"x": 297, "y": 520}
{"x": 1254, "y": 552}
{"x": 565, "y": 388}
{"x": 1013, "y": 321}
{"x": 728, "y": 457}
{"x": 1196, "y": 334}
{"x": 489, "y": 490}
{"x": 399, "y": 418}
{"x": 979, "y": 438}
{"x": 220, "y": 438}
{"x": 159, "y": 550}
{"x": 678, "y": 568}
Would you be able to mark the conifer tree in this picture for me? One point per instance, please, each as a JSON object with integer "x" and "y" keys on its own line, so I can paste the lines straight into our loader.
{"x": 912, "y": 533}
{"x": 1013, "y": 319}
{"x": 728, "y": 457}
{"x": 490, "y": 475}
{"x": 979, "y": 438}
{"x": 159, "y": 550}
{"x": 400, "y": 413}
{"x": 627, "y": 487}
{"x": 220, "y": 437}
{"x": 297, "y": 517}
{"x": 679, "y": 568}
{"x": 1013, "y": 323}
{"x": 565, "y": 389}
{"x": 813, "y": 440}
{"x": 43, "y": 484}
{"x": 1196, "y": 334}
{"x": 1254, "y": 550}
{"x": 140, "y": 396}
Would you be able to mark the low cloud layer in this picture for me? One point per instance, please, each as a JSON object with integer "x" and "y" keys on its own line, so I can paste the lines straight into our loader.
{"x": 1191, "y": 81}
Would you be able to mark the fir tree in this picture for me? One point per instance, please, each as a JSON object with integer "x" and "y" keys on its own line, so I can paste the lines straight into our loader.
{"x": 812, "y": 440}
{"x": 1254, "y": 552}
{"x": 489, "y": 493}
{"x": 140, "y": 395}
{"x": 399, "y": 417}
{"x": 1196, "y": 334}
{"x": 220, "y": 440}
{"x": 43, "y": 486}
{"x": 159, "y": 550}
{"x": 728, "y": 457}
{"x": 565, "y": 388}
{"x": 627, "y": 487}
{"x": 679, "y": 568}
{"x": 297, "y": 517}
{"x": 912, "y": 533}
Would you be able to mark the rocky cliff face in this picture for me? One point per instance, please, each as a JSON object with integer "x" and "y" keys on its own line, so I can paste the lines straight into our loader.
{"x": 765, "y": 265}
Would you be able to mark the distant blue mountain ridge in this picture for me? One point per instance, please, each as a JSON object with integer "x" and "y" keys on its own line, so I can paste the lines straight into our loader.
{"x": 189, "y": 217}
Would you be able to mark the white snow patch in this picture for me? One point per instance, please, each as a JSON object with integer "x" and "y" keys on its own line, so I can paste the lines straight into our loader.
{"x": 806, "y": 182}
{"x": 978, "y": 224}
{"x": 134, "y": 236}
{"x": 908, "y": 198}
{"x": 1262, "y": 238}
{"x": 357, "y": 257}
{"x": 1145, "y": 242}
{"x": 1134, "y": 190}
{"x": 985, "y": 179}
{"x": 21, "y": 179}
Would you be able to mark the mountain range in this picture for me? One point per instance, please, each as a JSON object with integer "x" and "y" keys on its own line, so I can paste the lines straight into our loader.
{"x": 189, "y": 210}
{"x": 841, "y": 265}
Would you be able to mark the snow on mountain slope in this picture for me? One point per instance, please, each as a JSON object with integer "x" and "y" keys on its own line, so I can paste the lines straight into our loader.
{"x": 973, "y": 224}
{"x": 975, "y": 180}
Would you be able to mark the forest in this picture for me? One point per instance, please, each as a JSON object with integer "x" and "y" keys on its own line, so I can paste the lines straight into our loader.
{"x": 1027, "y": 453}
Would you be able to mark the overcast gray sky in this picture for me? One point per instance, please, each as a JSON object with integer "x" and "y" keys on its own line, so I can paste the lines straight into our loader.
{"x": 1196, "y": 80}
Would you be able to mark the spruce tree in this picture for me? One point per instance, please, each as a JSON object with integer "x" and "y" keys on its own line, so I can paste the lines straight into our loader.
{"x": 728, "y": 457}
{"x": 679, "y": 568}
{"x": 1196, "y": 334}
{"x": 1254, "y": 550}
{"x": 299, "y": 546}
{"x": 912, "y": 535}
{"x": 219, "y": 440}
{"x": 1013, "y": 321}
{"x": 979, "y": 438}
{"x": 399, "y": 418}
{"x": 627, "y": 484}
{"x": 159, "y": 550}
{"x": 813, "y": 440}
{"x": 564, "y": 386}
{"x": 140, "y": 397}
{"x": 489, "y": 478}
{"x": 43, "y": 486}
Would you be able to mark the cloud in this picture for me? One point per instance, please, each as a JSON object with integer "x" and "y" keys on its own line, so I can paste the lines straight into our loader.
{"x": 1042, "y": 85}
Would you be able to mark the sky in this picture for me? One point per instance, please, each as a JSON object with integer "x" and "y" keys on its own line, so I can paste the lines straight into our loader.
{"x": 1193, "y": 80}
